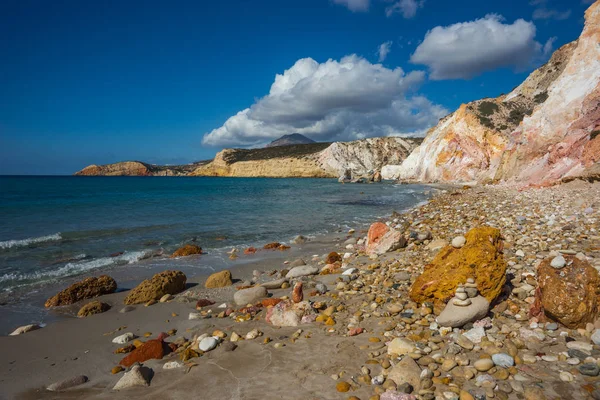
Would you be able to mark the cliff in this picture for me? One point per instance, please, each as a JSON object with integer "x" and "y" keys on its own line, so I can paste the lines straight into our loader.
{"x": 137, "y": 168}
{"x": 543, "y": 131}
{"x": 310, "y": 160}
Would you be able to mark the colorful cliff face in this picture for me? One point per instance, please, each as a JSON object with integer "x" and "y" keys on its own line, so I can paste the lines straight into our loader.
{"x": 543, "y": 131}
{"x": 136, "y": 168}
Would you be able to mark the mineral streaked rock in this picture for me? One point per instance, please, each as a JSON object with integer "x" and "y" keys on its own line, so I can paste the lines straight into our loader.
{"x": 480, "y": 258}
{"x": 541, "y": 132}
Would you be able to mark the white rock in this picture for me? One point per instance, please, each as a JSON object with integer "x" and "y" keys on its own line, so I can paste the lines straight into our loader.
{"x": 347, "y": 255}
{"x": 400, "y": 347}
{"x": 250, "y": 295}
{"x": 195, "y": 315}
{"x": 566, "y": 376}
{"x": 137, "y": 376}
{"x": 302, "y": 270}
{"x": 558, "y": 262}
{"x": 456, "y": 316}
{"x": 577, "y": 345}
{"x": 24, "y": 329}
{"x": 596, "y": 337}
{"x": 253, "y": 334}
{"x": 208, "y": 344}
{"x": 172, "y": 365}
{"x": 519, "y": 253}
{"x": 349, "y": 271}
{"x": 459, "y": 242}
{"x": 124, "y": 338}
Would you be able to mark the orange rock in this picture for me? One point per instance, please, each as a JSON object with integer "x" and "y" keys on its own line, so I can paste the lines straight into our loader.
{"x": 272, "y": 246}
{"x": 166, "y": 282}
{"x": 332, "y": 258}
{"x": 250, "y": 250}
{"x": 187, "y": 250}
{"x": 85, "y": 289}
{"x": 152, "y": 349}
{"x": 569, "y": 295}
{"x": 270, "y": 302}
{"x": 297, "y": 293}
{"x": 219, "y": 279}
{"x": 376, "y": 232}
{"x": 480, "y": 258}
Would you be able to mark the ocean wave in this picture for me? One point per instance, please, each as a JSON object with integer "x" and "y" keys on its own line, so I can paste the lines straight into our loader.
{"x": 76, "y": 268}
{"x": 9, "y": 244}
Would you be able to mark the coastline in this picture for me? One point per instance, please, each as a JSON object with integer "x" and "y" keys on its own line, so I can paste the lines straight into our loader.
{"x": 303, "y": 367}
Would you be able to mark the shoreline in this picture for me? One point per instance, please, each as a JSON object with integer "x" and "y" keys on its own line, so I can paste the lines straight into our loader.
{"x": 305, "y": 365}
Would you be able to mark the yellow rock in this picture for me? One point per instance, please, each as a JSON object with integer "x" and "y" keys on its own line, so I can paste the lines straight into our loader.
{"x": 116, "y": 369}
{"x": 464, "y": 395}
{"x": 137, "y": 343}
{"x": 374, "y": 340}
{"x": 220, "y": 334}
{"x": 480, "y": 258}
{"x": 147, "y": 334}
{"x": 343, "y": 387}
{"x": 330, "y": 321}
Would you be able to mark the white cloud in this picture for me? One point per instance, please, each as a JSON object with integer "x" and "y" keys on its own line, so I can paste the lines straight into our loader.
{"x": 408, "y": 8}
{"x": 467, "y": 49}
{"x": 334, "y": 100}
{"x": 545, "y": 13}
{"x": 354, "y": 5}
{"x": 384, "y": 50}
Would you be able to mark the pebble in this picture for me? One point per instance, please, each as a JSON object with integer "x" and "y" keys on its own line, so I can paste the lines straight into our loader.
{"x": 208, "y": 343}
{"x": 558, "y": 262}
{"x": 503, "y": 360}
{"x": 589, "y": 369}
{"x": 124, "y": 338}
{"x": 68, "y": 383}
{"x": 172, "y": 365}
{"x": 483, "y": 364}
{"x": 459, "y": 242}
{"x": 137, "y": 376}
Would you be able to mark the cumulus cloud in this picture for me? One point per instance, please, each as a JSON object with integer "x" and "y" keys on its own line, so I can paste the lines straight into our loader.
{"x": 408, "y": 8}
{"x": 467, "y": 49}
{"x": 384, "y": 50}
{"x": 335, "y": 100}
{"x": 354, "y": 5}
{"x": 545, "y": 13}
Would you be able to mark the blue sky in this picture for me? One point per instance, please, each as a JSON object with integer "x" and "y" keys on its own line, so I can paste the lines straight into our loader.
{"x": 100, "y": 82}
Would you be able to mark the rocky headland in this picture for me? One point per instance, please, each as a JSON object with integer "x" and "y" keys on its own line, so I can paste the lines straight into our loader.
{"x": 138, "y": 168}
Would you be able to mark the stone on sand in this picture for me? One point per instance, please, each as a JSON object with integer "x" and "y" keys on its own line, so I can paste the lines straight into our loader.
{"x": 407, "y": 370}
{"x": 250, "y": 295}
{"x": 166, "y": 282}
{"x": 137, "y": 376}
{"x": 276, "y": 284}
{"x": 82, "y": 290}
{"x": 219, "y": 279}
{"x": 24, "y": 329}
{"x": 303, "y": 270}
{"x": 400, "y": 346}
{"x": 124, "y": 338}
{"x": 456, "y": 316}
{"x": 68, "y": 383}
{"x": 95, "y": 307}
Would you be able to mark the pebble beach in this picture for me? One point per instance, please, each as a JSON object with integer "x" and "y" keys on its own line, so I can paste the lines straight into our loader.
{"x": 485, "y": 292}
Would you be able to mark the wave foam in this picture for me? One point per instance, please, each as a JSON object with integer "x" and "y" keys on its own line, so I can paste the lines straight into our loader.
{"x": 26, "y": 242}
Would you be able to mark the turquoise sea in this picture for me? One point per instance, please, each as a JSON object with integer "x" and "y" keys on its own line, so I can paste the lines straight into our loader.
{"x": 53, "y": 229}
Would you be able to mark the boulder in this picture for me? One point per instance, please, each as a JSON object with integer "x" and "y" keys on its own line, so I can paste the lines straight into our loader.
{"x": 569, "y": 295}
{"x": 137, "y": 376}
{"x": 480, "y": 258}
{"x": 250, "y": 295}
{"x": 82, "y": 290}
{"x": 382, "y": 239}
{"x": 287, "y": 313}
{"x": 407, "y": 371}
{"x": 68, "y": 383}
{"x": 95, "y": 307}
{"x": 187, "y": 250}
{"x": 219, "y": 279}
{"x": 154, "y": 349}
{"x": 455, "y": 316}
{"x": 166, "y": 282}
{"x": 24, "y": 329}
{"x": 303, "y": 270}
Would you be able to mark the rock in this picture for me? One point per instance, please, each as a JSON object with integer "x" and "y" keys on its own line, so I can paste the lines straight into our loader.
{"x": 276, "y": 284}
{"x": 458, "y": 242}
{"x": 250, "y": 295}
{"x": 400, "y": 347}
{"x": 82, "y": 290}
{"x": 579, "y": 345}
{"x": 150, "y": 350}
{"x": 558, "y": 262}
{"x": 343, "y": 387}
{"x": 95, "y": 307}
{"x": 24, "y": 329}
{"x": 382, "y": 239}
{"x": 303, "y": 270}
{"x": 124, "y": 338}
{"x": 393, "y": 395}
{"x": 455, "y": 316}
{"x": 137, "y": 376}
{"x": 297, "y": 293}
{"x": 208, "y": 343}
{"x": 203, "y": 303}
{"x": 503, "y": 360}
{"x": 299, "y": 239}
{"x": 166, "y": 298}
{"x": 297, "y": 263}
{"x": 483, "y": 364}
{"x": 589, "y": 369}
{"x": 172, "y": 365}
{"x": 68, "y": 383}
{"x": 187, "y": 250}
{"x": 596, "y": 337}
{"x": 332, "y": 258}
{"x": 287, "y": 313}
{"x": 569, "y": 295}
{"x": 436, "y": 245}
{"x": 166, "y": 282}
{"x": 406, "y": 371}
{"x": 480, "y": 258}
{"x": 350, "y": 271}
{"x": 321, "y": 288}
{"x": 219, "y": 279}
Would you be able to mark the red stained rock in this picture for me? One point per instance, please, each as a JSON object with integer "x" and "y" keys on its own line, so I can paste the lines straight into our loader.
{"x": 250, "y": 250}
{"x": 203, "y": 303}
{"x": 355, "y": 331}
{"x": 297, "y": 295}
{"x": 152, "y": 349}
{"x": 376, "y": 232}
{"x": 270, "y": 302}
{"x": 332, "y": 258}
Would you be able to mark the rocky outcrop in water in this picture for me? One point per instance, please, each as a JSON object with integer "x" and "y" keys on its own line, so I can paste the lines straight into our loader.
{"x": 137, "y": 168}
{"x": 85, "y": 289}
{"x": 544, "y": 130}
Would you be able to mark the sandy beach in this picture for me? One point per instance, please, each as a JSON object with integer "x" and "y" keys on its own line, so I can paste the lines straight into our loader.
{"x": 350, "y": 351}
